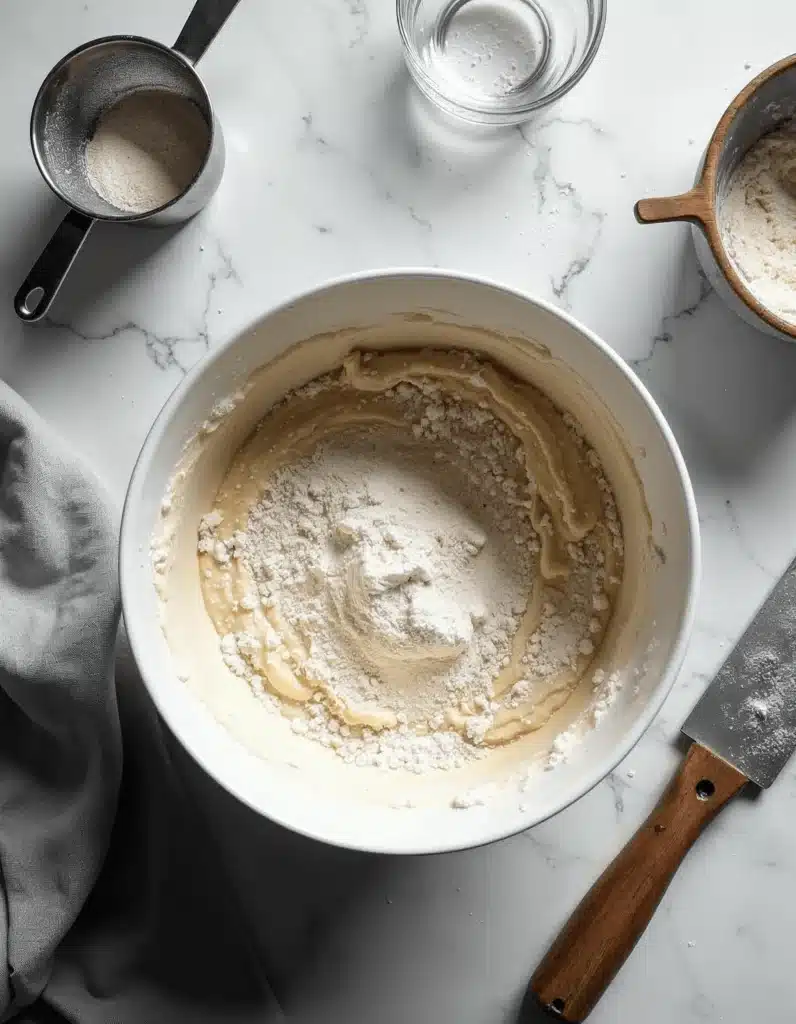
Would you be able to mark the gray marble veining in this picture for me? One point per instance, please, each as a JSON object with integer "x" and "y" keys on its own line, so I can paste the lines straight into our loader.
{"x": 334, "y": 166}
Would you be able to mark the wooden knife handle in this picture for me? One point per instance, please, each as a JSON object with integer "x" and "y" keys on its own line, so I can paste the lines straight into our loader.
{"x": 610, "y": 919}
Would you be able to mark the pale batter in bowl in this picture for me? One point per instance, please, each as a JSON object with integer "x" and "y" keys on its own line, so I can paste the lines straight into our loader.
{"x": 414, "y": 559}
{"x": 378, "y": 565}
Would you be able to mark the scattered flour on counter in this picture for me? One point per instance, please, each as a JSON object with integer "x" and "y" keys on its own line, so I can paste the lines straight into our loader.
{"x": 757, "y": 219}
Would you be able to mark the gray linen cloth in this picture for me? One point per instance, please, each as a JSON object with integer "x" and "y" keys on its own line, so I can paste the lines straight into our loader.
{"x": 114, "y": 907}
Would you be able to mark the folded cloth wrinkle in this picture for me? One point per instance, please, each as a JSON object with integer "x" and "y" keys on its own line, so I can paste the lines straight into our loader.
{"x": 114, "y": 907}
{"x": 60, "y": 752}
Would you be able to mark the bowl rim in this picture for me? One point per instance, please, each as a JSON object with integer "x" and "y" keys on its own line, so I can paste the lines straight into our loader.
{"x": 699, "y": 205}
{"x": 481, "y": 113}
{"x": 129, "y": 555}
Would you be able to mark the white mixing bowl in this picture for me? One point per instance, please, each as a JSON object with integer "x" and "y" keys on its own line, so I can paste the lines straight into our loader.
{"x": 531, "y": 339}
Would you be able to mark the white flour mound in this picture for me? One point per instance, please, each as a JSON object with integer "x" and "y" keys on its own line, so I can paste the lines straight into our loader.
{"x": 758, "y": 220}
{"x": 404, "y": 564}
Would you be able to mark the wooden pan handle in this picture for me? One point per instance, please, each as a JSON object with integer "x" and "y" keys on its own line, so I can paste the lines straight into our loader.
{"x": 610, "y": 919}
{"x": 692, "y": 206}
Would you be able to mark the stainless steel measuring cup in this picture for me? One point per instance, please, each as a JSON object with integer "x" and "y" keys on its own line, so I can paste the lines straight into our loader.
{"x": 84, "y": 84}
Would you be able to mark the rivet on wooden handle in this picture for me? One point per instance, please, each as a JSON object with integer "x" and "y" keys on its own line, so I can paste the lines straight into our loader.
{"x": 610, "y": 919}
{"x": 692, "y": 206}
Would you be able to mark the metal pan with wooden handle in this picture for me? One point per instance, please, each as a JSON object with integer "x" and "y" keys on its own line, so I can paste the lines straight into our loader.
{"x": 760, "y": 107}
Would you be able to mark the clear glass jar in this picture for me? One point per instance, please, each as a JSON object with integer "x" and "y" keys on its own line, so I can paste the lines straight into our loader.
{"x": 497, "y": 61}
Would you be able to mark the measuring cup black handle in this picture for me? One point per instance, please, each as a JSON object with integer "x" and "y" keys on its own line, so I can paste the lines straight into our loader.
{"x": 204, "y": 23}
{"x": 41, "y": 285}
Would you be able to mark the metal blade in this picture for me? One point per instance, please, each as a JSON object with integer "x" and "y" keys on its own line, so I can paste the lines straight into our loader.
{"x": 748, "y": 713}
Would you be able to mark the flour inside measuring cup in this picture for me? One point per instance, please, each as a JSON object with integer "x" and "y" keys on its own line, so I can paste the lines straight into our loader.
{"x": 146, "y": 150}
{"x": 758, "y": 220}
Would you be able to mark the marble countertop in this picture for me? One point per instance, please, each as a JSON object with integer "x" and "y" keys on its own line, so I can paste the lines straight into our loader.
{"x": 333, "y": 168}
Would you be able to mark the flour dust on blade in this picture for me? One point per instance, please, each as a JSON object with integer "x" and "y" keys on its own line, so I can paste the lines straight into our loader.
{"x": 743, "y": 731}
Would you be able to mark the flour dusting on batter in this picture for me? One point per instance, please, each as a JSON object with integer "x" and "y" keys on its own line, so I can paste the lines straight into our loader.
{"x": 414, "y": 559}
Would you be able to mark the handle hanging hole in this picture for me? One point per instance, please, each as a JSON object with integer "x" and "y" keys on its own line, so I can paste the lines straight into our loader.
{"x": 557, "y": 1007}
{"x": 705, "y": 789}
{"x": 32, "y": 300}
